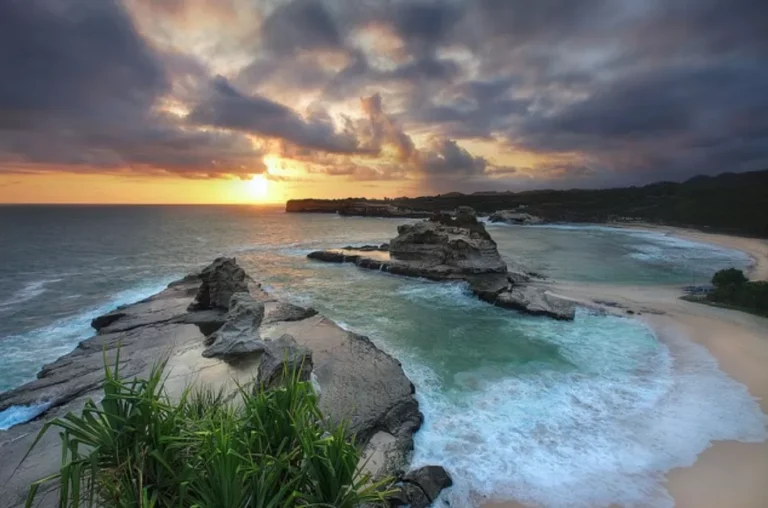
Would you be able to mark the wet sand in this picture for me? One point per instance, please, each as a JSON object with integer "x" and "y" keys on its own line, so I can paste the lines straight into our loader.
{"x": 729, "y": 473}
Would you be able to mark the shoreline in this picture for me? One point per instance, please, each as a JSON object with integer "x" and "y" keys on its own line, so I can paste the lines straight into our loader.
{"x": 347, "y": 369}
{"x": 756, "y": 248}
{"x": 726, "y": 473}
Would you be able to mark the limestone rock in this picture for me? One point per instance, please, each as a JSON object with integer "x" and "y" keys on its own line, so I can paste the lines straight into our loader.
{"x": 538, "y": 301}
{"x": 513, "y": 217}
{"x": 220, "y": 280}
{"x": 458, "y": 242}
{"x": 282, "y": 355}
{"x": 240, "y": 334}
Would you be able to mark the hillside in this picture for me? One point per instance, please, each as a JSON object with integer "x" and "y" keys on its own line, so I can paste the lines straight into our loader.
{"x": 730, "y": 202}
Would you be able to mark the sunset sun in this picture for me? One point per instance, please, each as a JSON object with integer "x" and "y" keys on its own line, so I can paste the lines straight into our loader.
{"x": 258, "y": 187}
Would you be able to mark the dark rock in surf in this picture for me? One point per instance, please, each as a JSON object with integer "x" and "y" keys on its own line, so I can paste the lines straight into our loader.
{"x": 107, "y": 319}
{"x": 421, "y": 487}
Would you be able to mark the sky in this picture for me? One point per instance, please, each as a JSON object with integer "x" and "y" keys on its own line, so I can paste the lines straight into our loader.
{"x": 238, "y": 101}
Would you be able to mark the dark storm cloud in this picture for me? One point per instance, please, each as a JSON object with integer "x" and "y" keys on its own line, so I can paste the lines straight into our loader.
{"x": 614, "y": 91}
{"x": 78, "y": 89}
{"x": 228, "y": 108}
{"x": 683, "y": 119}
{"x": 445, "y": 157}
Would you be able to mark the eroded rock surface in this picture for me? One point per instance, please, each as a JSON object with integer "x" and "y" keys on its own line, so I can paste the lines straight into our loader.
{"x": 239, "y": 336}
{"x": 357, "y": 382}
{"x": 220, "y": 280}
{"x": 458, "y": 245}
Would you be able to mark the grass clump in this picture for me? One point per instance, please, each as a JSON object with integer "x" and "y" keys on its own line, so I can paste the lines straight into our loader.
{"x": 264, "y": 449}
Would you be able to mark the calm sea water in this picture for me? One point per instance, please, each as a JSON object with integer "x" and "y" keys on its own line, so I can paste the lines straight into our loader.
{"x": 560, "y": 414}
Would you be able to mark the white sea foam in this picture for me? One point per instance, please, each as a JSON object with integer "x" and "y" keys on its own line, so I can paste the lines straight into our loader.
{"x": 23, "y": 354}
{"x": 604, "y": 430}
{"x": 30, "y": 291}
{"x": 657, "y": 247}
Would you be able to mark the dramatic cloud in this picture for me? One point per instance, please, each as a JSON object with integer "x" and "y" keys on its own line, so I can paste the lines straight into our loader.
{"x": 227, "y": 108}
{"x": 80, "y": 88}
{"x": 466, "y": 94}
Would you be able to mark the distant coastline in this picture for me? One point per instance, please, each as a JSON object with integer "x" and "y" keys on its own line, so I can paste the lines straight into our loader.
{"x": 730, "y": 203}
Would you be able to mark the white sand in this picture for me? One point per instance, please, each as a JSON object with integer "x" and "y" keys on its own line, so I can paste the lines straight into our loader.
{"x": 728, "y": 474}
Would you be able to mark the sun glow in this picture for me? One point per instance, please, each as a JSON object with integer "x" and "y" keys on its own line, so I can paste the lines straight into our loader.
{"x": 258, "y": 187}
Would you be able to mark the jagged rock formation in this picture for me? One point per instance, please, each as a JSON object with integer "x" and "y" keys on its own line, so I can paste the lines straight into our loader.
{"x": 220, "y": 280}
{"x": 357, "y": 382}
{"x": 456, "y": 247}
{"x": 239, "y": 336}
{"x": 515, "y": 217}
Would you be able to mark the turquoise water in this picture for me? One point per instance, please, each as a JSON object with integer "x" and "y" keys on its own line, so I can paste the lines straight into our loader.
{"x": 582, "y": 413}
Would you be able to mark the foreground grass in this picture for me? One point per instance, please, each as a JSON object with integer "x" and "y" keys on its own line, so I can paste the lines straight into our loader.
{"x": 266, "y": 448}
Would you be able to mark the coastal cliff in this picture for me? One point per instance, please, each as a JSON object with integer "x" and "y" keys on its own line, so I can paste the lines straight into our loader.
{"x": 219, "y": 345}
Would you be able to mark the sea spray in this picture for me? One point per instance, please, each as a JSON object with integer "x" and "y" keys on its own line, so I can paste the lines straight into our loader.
{"x": 24, "y": 354}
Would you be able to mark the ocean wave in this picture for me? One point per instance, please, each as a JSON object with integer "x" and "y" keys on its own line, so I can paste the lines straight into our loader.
{"x": 30, "y": 291}
{"x": 24, "y": 354}
{"x": 603, "y": 432}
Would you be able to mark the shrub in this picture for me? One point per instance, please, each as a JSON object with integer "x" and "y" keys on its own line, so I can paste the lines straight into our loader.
{"x": 729, "y": 277}
{"x": 262, "y": 449}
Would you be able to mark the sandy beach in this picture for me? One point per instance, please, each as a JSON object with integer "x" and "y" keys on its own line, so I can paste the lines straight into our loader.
{"x": 729, "y": 473}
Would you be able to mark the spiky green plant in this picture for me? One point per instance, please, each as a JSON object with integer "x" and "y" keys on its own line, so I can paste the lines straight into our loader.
{"x": 263, "y": 449}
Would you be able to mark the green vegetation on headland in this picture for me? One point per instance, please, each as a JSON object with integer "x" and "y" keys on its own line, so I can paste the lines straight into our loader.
{"x": 265, "y": 448}
{"x": 731, "y": 203}
{"x": 732, "y": 290}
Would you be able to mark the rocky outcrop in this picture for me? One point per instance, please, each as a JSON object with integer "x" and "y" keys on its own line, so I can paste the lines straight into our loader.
{"x": 357, "y": 382}
{"x": 284, "y": 356}
{"x": 421, "y": 487}
{"x": 515, "y": 217}
{"x": 515, "y": 291}
{"x": 456, "y": 247}
{"x": 220, "y": 280}
{"x": 239, "y": 336}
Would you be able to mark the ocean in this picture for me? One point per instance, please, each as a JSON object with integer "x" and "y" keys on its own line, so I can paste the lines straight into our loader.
{"x": 582, "y": 413}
